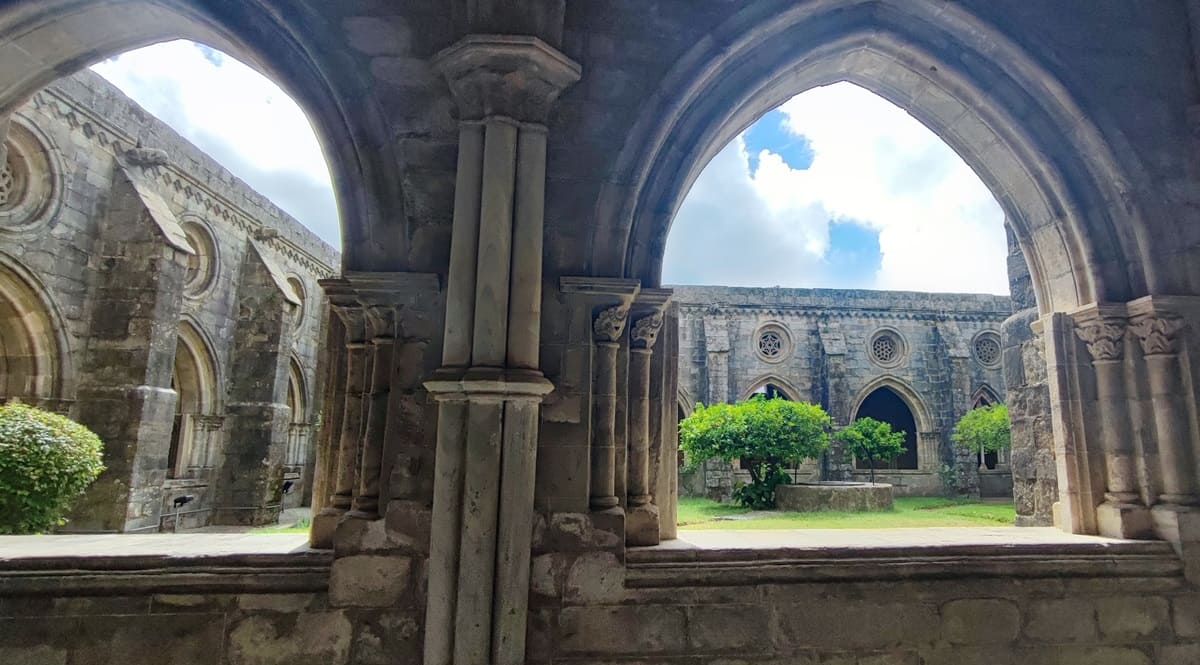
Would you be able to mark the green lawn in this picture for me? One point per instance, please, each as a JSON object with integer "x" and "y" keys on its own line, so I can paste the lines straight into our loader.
{"x": 695, "y": 513}
{"x": 299, "y": 527}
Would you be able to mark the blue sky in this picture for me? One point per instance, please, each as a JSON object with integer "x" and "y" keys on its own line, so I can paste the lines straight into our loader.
{"x": 836, "y": 188}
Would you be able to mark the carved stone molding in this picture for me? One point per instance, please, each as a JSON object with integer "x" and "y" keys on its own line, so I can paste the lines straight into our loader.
{"x": 610, "y": 323}
{"x": 1159, "y": 335}
{"x": 645, "y": 330}
{"x": 1105, "y": 338}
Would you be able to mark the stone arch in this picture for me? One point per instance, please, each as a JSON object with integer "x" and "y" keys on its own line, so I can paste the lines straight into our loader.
{"x": 905, "y": 392}
{"x": 47, "y": 39}
{"x": 298, "y": 404}
{"x": 1049, "y": 164}
{"x": 687, "y": 403}
{"x": 887, "y": 402}
{"x": 35, "y": 359}
{"x": 197, "y": 384}
{"x": 984, "y": 396}
{"x": 790, "y": 392}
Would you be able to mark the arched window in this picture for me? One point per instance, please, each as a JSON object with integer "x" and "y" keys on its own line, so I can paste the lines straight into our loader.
{"x": 30, "y": 354}
{"x": 297, "y": 400}
{"x": 991, "y": 459}
{"x": 885, "y": 405}
{"x": 193, "y": 436}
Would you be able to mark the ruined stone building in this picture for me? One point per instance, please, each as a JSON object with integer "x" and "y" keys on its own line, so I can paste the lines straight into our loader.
{"x": 918, "y": 361}
{"x": 495, "y": 477}
{"x": 149, "y": 294}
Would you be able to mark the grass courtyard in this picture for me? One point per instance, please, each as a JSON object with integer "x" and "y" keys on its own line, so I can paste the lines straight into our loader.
{"x": 695, "y": 513}
{"x": 908, "y": 512}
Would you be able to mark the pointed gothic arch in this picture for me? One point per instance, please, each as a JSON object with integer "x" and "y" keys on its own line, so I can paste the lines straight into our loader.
{"x": 197, "y": 384}
{"x": 1015, "y": 124}
{"x": 984, "y": 396}
{"x": 784, "y": 387}
{"x": 35, "y": 359}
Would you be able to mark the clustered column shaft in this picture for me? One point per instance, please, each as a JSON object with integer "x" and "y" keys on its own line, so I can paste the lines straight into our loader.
{"x": 608, "y": 328}
{"x": 1160, "y": 340}
{"x": 642, "y": 523}
{"x": 489, "y": 387}
{"x": 381, "y": 330}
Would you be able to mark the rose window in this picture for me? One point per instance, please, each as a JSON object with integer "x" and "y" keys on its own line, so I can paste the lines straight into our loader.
{"x": 884, "y": 348}
{"x": 770, "y": 344}
{"x": 8, "y": 185}
{"x": 987, "y": 350}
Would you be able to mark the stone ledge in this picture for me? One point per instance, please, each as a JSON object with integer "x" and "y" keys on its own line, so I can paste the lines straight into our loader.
{"x": 306, "y": 571}
{"x": 672, "y": 568}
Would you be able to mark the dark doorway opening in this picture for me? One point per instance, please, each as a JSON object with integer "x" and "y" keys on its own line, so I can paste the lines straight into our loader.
{"x": 885, "y": 405}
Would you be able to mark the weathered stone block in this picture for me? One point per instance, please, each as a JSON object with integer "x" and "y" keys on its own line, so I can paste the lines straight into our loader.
{"x": 983, "y": 621}
{"x": 1061, "y": 620}
{"x": 1128, "y": 619}
{"x": 624, "y": 630}
{"x": 841, "y": 496}
{"x": 875, "y": 626}
{"x": 323, "y": 637}
{"x": 596, "y": 578}
{"x": 728, "y": 628}
{"x": 1081, "y": 655}
{"x": 368, "y": 580}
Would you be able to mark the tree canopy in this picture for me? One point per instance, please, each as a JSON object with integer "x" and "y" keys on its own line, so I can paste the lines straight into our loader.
{"x": 870, "y": 439}
{"x": 765, "y": 434}
{"x": 984, "y": 429}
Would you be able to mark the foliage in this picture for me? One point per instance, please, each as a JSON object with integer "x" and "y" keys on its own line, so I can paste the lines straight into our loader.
{"x": 984, "y": 429}
{"x": 870, "y": 439}
{"x": 909, "y": 512}
{"x": 765, "y": 434}
{"x": 46, "y": 461}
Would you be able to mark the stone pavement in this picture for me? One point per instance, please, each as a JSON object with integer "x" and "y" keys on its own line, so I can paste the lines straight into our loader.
{"x": 916, "y": 538}
{"x": 179, "y": 545}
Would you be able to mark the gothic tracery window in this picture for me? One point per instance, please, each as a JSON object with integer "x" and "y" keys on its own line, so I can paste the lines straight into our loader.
{"x": 769, "y": 344}
{"x": 987, "y": 349}
{"x": 886, "y": 348}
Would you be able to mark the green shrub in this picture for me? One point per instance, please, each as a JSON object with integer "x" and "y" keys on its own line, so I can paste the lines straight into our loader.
{"x": 46, "y": 462}
{"x": 984, "y": 429}
{"x": 765, "y": 434}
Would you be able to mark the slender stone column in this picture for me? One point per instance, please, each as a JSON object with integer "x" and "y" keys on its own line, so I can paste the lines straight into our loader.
{"x": 1160, "y": 336}
{"x": 489, "y": 387}
{"x": 380, "y": 321}
{"x": 608, "y": 327}
{"x": 1122, "y": 515}
{"x": 641, "y": 527}
{"x": 344, "y": 304}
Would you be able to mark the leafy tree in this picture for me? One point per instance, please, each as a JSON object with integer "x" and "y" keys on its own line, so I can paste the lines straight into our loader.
{"x": 983, "y": 430}
{"x": 46, "y": 461}
{"x": 765, "y": 434}
{"x": 870, "y": 439}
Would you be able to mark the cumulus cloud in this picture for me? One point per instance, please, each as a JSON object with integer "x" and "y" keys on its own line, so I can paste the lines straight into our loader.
{"x": 237, "y": 116}
{"x": 874, "y": 166}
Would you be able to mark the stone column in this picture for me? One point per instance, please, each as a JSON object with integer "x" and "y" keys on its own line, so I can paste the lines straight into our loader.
{"x": 1159, "y": 336}
{"x": 343, "y": 303}
{"x": 333, "y": 399}
{"x": 489, "y": 387}
{"x": 1122, "y": 515}
{"x": 608, "y": 327}
{"x": 380, "y": 321}
{"x": 641, "y": 525}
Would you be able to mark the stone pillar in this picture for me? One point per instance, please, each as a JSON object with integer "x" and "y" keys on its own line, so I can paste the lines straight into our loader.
{"x": 1122, "y": 515}
{"x": 248, "y": 487}
{"x": 641, "y": 524}
{"x": 381, "y": 334}
{"x": 608, "y": 327}
{"x": 346, "y": 433}
{"x": 665, "y": 462}
{"x": 489, "y": 387}
{"x": 1160, "y": 336}
{"x": 716, "y": 345}
{"x": 333, "y": 398}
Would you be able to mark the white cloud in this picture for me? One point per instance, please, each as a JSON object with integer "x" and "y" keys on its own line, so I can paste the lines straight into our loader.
{"x": 939, "y": 227}
{"x": 240, "y": 118}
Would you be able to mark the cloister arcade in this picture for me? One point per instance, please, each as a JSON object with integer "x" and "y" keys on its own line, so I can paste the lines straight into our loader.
{"x": 496, "y": 460}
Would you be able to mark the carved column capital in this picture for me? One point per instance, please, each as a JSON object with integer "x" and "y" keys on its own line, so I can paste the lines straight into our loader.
{"x": 514, "y": 76}
{"x": 610, "y": 323}
{"x": 645, "y": 331}
{"x": 1105, "y": 338}
{"x": 1159, "y": 335}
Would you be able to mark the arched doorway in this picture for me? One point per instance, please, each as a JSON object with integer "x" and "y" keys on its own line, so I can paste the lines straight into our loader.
{"x": 992, "y": 459}
{"x": 883, "y": 404}
{"x": 31, "y": 359}
{"x": 193, "y": 436}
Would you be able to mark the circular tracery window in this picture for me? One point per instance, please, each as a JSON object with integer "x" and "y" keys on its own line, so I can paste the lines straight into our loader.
{"x": 28, "y": 181}
{"x": 886, "y": 348}
{"x": 773, "y": 343}
{"x": 987, "y": 349}
{"x": 297, "y": 290}
{"x": 202, "y": 263}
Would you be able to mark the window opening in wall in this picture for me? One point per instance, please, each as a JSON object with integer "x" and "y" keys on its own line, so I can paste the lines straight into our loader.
{"x": 839, "y": 244}
{"x": 181, "y": 154}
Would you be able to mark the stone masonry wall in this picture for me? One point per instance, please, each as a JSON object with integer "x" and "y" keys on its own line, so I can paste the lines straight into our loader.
{"x": 826, "y": 359}
{"x": 85, "y": 129}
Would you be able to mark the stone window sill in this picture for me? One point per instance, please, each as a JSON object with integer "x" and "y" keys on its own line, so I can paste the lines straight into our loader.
{"x": 736, "y": 558}
{"x": 160, "y": 563}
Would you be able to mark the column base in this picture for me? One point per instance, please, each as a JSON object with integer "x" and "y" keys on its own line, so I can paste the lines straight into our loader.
{"x": 1128, "y": 521}
{"x": 324, "y": 524}
{"x": 641, "y": 525}
{"x": 1180, "y": 526}
{"x": 610, "y": 520}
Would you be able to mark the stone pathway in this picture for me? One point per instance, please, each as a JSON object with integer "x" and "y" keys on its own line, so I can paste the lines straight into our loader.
{"x": 876, "y": 538}
{"x": 173, "y": 545}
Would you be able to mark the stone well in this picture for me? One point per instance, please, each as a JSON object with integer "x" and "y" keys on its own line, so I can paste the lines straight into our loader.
{"x": 831, "y": 495}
